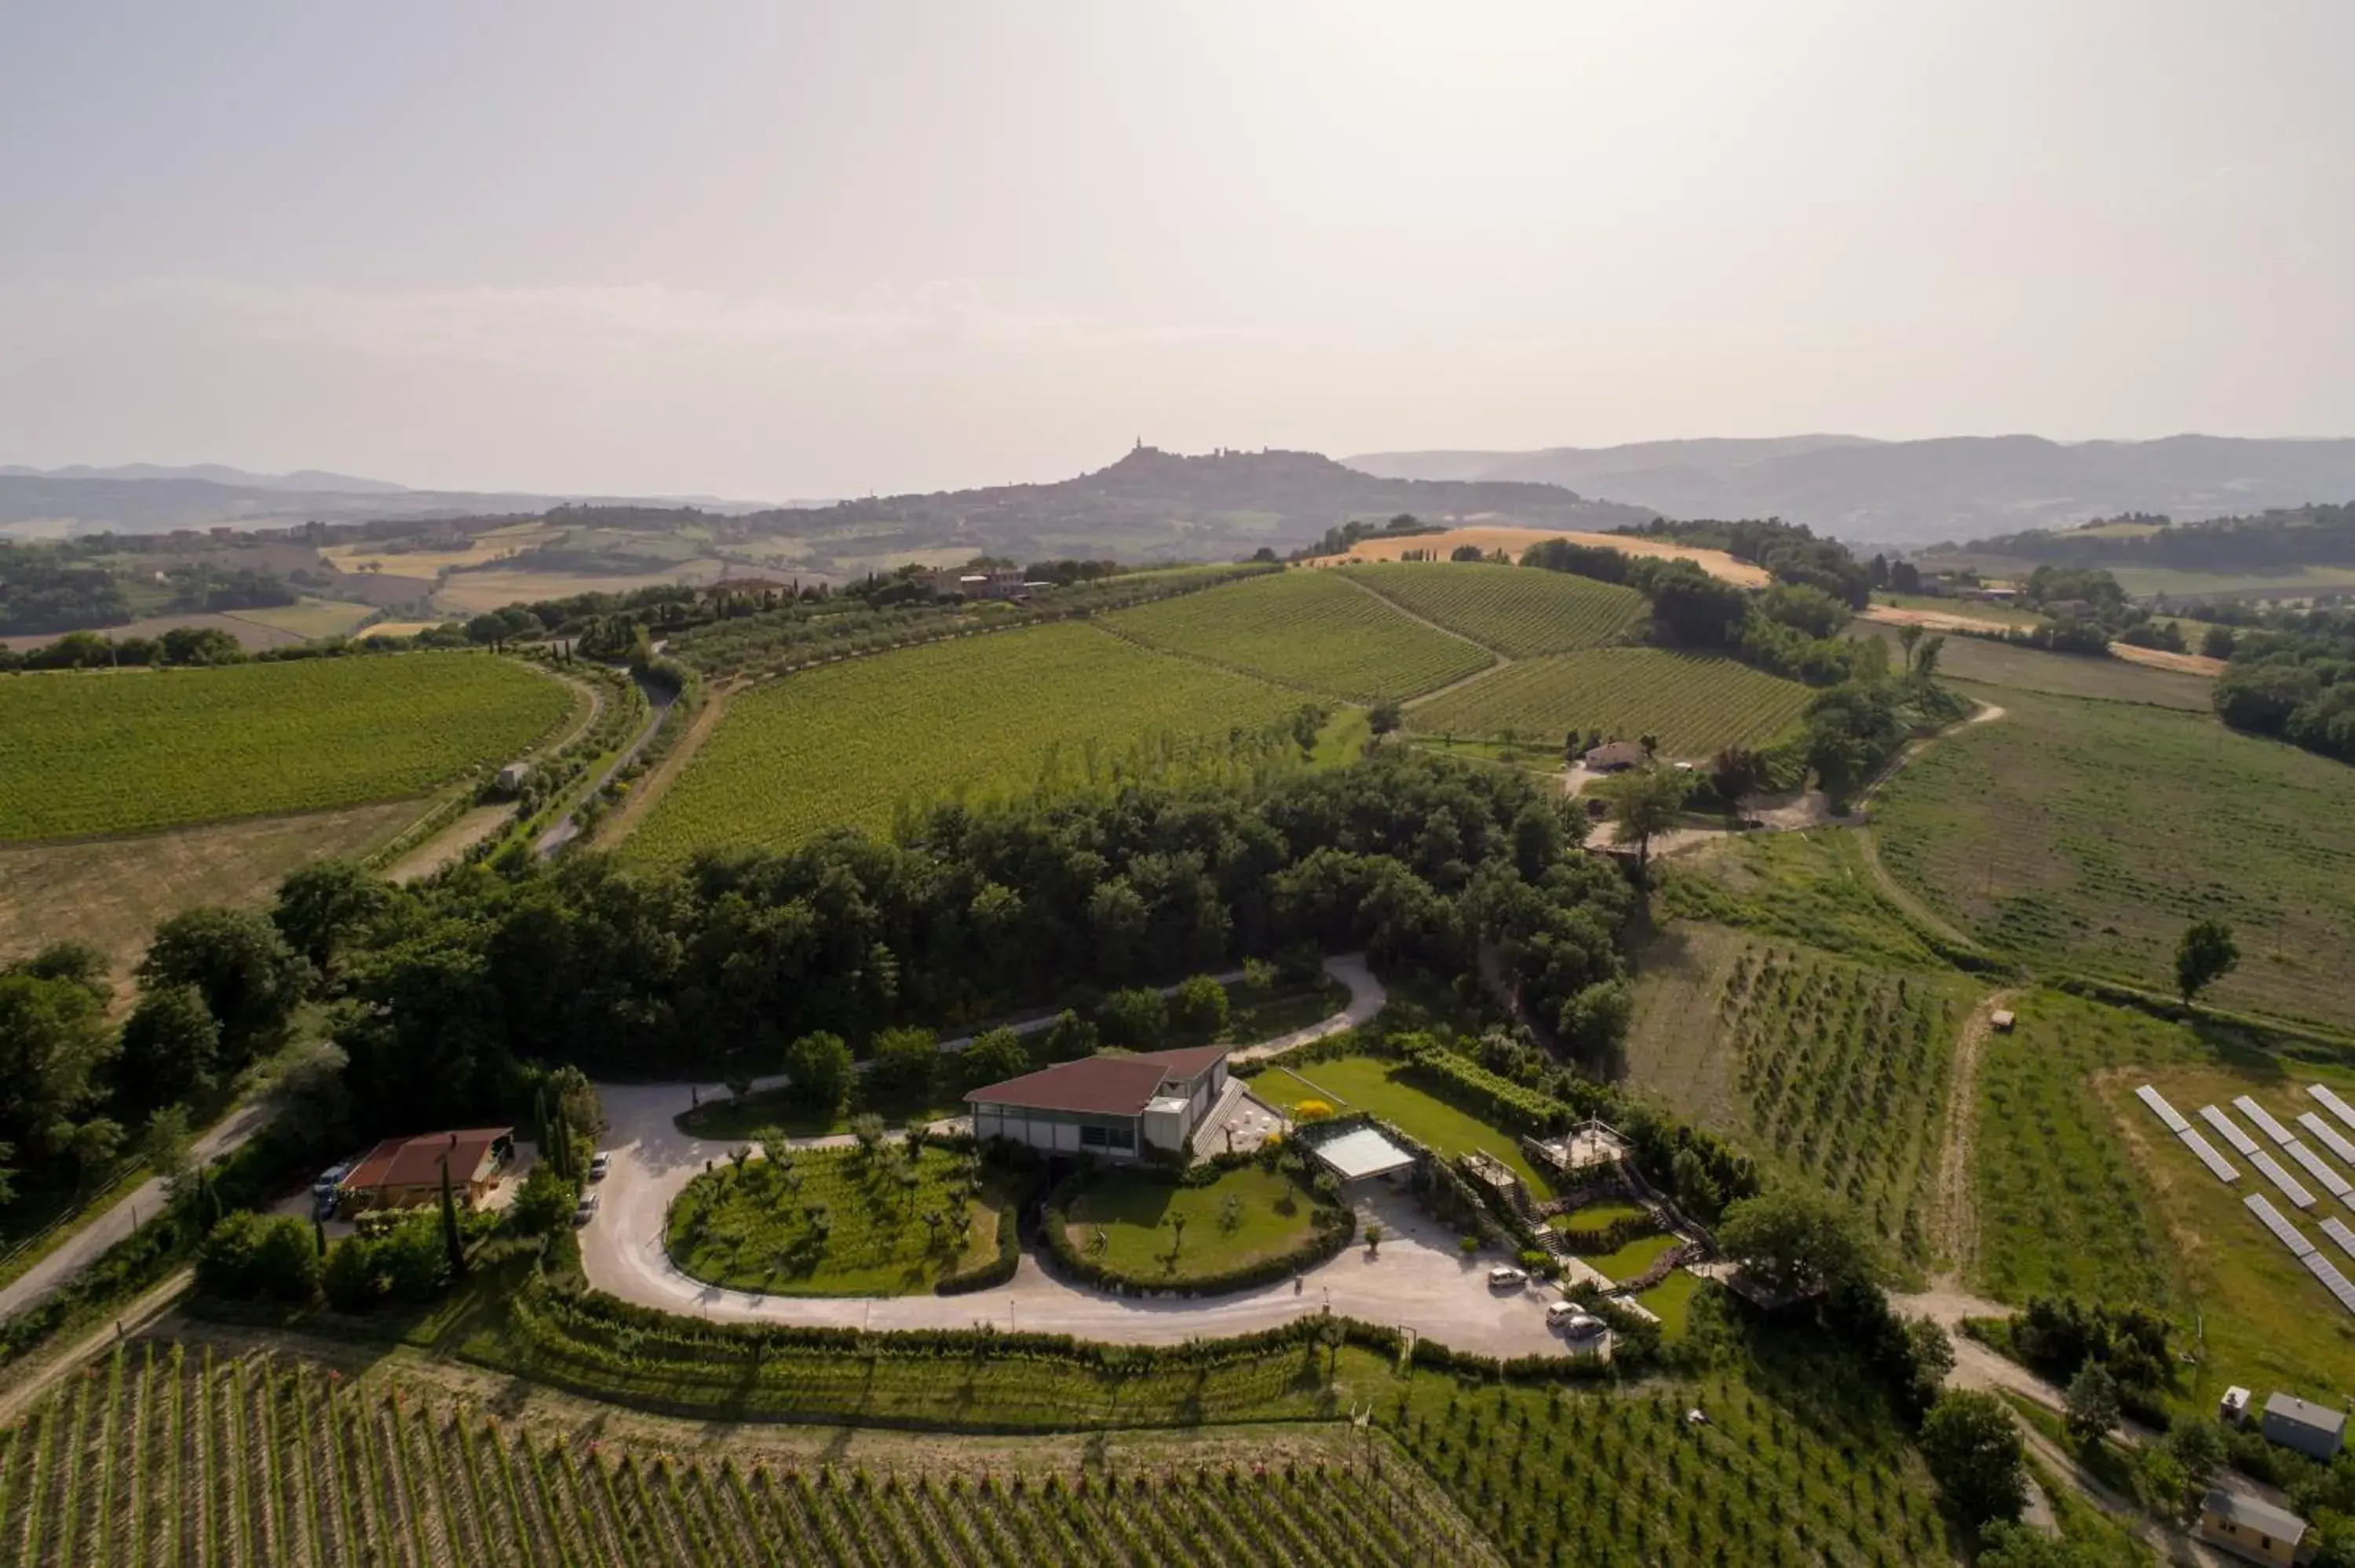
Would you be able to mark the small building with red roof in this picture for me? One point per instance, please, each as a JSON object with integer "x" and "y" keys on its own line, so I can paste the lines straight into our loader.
{"x": 402, "y": 1173}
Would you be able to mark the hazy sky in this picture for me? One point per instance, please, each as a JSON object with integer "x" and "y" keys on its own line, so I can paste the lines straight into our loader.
{"x": 766, "y": 248}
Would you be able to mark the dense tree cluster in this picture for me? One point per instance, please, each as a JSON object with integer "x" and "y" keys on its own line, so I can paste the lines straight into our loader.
{"x": 2294, "y": 676}
{"x": 1417, "y": 859}
{"x": 1789, "y": 551}
{"x": 1794, "y": 627}
{"x": 67, "y": 586}
{"x": 216, "y": 989}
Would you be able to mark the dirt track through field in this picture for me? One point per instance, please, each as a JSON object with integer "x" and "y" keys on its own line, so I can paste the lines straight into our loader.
{"x": 1955, "y": 1223}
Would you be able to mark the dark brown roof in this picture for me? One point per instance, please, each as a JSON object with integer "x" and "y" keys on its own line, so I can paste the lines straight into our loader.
{"x": 1183, "y": 1064}
{"x": 416, "y": 1162}
{"x": 1103, "y": 1086}
{"x": 1615, "y": 754}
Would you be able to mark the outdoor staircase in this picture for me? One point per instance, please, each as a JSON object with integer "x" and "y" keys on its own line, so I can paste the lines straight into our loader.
{"x": 1207, "y": 1139}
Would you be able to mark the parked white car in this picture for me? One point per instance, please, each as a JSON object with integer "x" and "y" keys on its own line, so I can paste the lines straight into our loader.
{"x": 1575, "y": 1320}
{"x": 598, "y": 1164}
{"x": 587, "y": 1211}
{"x": 1504, "y": 1277}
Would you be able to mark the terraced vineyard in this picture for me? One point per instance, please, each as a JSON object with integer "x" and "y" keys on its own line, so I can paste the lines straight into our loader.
{"x": 108, "y": 753}
{"x": 2087, "y": 835}
{"x": 1046, "y": 710}
{"x": 1697, "y": 705}
{"x": 1843, "y": 1075}
{"x": 1605, "y": 1480}
{"x": 1523, "y": 613}
{"x": 1309, "y": 630}
{"x": 159, "y": 1458}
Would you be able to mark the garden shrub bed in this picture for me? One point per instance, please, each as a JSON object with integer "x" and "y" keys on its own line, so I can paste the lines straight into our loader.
{"x": 845, "y": 1221}
{"x": 1124, "y": 1263}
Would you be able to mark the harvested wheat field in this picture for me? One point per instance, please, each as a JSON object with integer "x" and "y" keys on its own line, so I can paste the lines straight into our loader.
{"x": 1513, "y": 541}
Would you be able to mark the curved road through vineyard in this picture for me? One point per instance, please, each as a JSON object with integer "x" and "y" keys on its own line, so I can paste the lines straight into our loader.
{"x": 1419, "y": 1281}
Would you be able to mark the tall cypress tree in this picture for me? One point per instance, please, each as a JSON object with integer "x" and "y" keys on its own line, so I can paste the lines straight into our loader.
{"x": 449, "y": 1236}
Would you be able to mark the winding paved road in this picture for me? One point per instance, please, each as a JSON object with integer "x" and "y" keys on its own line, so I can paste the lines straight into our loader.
{"x": 142, "y": 1201}
{"x": 1418, "y": 1280}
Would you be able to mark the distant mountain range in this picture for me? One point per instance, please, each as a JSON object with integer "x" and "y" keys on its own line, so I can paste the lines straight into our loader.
{"x": 157, "y": 498}
{"x": 1149, "y": 504}
{"x": 1916, "y": 493}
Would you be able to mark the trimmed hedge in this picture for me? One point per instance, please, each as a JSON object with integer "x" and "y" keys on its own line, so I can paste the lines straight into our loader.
{"x": 591, "y": 1328}
{"x": 1336, "y": 1228}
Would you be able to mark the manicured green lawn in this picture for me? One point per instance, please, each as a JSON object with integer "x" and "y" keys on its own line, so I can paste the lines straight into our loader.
{"x": 1122, "y": 1220}
{"x": 1633, "y": 1258}
{"x": 1371, "y": 1084}
{"x": 834, "y": 1222}
{"x": 1671, "y": 1301}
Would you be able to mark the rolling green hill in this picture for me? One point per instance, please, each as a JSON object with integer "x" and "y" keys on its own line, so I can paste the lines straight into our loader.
{"x": 1307, "y": 629}
{"x": 1516, "y": 613}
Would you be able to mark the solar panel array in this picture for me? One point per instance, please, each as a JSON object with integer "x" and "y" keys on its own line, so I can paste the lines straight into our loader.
{"x": 2324, "y": 1270}
{"x": 2230, "y": 1128}
{"x": 2337, "y": 1230}
{"x": 2222, "y": 1166}
{"x": 2283, "y": 1230}
{"x": 2262, "y": 1117}
{"x": 2284, "y": 1182}
{"x": 2332, "y": 1103}
{"x": 2316, "y": 1167}
{"x": 2160, "y": 1109}
{"x": 2332, "y": 1138}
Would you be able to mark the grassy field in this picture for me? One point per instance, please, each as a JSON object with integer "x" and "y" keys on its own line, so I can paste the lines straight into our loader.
{"x": 2088, "y": 834}
{"x": 2192, "y": 584}
{"x": 108, "y": 753}
{"x": 1521, "y": 613}
{"x": 1124, "y": 1221}
{"x": 312, "y": 619}
{"x": 1008, "y": 715}
{"x": 835, "y": 1222}
{"x": 1697, "y": 705}
{"x": 2059, "y": 675}
{"x": 1307, "y": 630}
{"x": 113, "y": 893}
{"x": 1815, "y": 888}
{"x": 1372, "y": 1084}
{"x": 167, "y": 1456}
{"x": 467, "y": 593}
